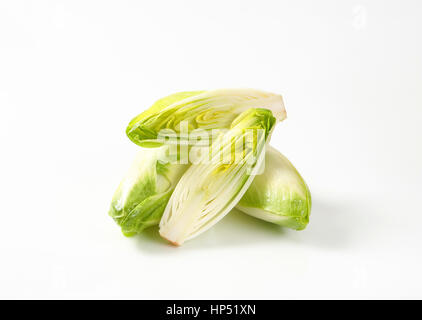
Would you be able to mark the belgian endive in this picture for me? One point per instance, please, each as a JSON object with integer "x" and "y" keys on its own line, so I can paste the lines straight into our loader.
{"x": 206, "y": 110}
{"x": 233, "y": 166}
{"x": 207, "y": 191}
{"x": 278, "y": 195}
{"x": 141, "y": 197}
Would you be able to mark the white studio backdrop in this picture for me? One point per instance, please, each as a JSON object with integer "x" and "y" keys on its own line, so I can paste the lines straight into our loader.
{"x": 73, "y": 73}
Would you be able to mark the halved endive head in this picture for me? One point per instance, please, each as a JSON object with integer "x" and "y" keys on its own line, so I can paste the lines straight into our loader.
{"x": 209, "y": 189}
{"x": 279, "y": 195}
{"x": 143, "y": 194}
{"x": 183, "y": 112}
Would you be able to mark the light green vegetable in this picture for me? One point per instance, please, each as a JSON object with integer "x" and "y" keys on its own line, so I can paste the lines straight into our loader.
{"x": 143, "y": 194}
{"x": 208, "y": 190}
{"x": 206, "y": 110}
{"x": 279, "y": 195}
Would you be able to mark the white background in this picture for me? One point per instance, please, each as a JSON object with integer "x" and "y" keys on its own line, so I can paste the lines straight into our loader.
{"x": 73, "y": 73}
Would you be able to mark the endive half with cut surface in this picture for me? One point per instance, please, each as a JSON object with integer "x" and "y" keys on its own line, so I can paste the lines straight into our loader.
{"x": 208, "y": 190}
{"x": 279, "y": 195}
{"x": 206, "y": 110}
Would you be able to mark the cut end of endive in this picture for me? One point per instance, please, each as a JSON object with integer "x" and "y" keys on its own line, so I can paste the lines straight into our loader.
{"x": 174, "y": 243}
